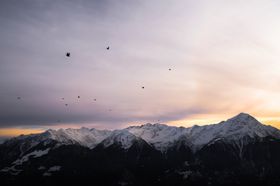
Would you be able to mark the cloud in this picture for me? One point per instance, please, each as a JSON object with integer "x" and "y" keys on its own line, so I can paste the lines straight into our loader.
{"x": 223, "y": 56}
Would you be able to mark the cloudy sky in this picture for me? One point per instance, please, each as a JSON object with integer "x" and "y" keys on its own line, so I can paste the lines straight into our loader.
{"x": 223, "y": 55}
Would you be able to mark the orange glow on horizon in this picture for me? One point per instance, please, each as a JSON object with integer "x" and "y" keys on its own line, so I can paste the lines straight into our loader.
{"x": 10, "y": 132}
{"x": 275, "y": 122}
{"x": 188, "y": 122}
{"x": 214, "y": 119}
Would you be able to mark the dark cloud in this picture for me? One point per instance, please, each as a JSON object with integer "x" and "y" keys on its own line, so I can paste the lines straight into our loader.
{"x": 27, "y": 112}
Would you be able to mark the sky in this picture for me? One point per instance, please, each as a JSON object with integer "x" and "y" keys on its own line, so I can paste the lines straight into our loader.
{"x": 223, "y": 58}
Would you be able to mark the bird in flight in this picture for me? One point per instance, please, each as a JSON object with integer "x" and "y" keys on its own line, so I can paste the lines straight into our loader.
{"x": 94, "y": 99}
{"x": 66, "y": 104}
{"x": 143, "y": 87}
{"x": 78, "y": 96}
{"x": 108, "y": 48}
{"x": 170, "y": 69}
{"x": 18, "y": 97}
{"x": 68, "y": 54}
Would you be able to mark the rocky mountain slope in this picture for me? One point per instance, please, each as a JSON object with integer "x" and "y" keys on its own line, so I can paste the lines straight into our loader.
{"x": 238, "y": 151}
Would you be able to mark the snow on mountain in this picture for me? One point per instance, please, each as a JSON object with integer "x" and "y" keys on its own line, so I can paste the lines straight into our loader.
{"x": 159, "y": 135}
{"x": 51, "y": 170}
{"x": 35, "y": 154}
{"x": 14, "y": 170}
{"x": 121, "y": 137}
{"x": 235, "y": 130}
{"x": 83, "y": 136}
{"x": 232, "y": 130}
{"x": 26, "y": 142}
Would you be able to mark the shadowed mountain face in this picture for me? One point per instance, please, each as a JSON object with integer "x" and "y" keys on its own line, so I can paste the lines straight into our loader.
{"x": 239, "y": 151}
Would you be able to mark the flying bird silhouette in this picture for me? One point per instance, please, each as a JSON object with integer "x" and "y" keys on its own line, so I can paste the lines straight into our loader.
{"x": 143, "y": 87}
{"x": 108, "y": 48}
{"x": 18, "y": 97}
{"x": 68, "y": 54}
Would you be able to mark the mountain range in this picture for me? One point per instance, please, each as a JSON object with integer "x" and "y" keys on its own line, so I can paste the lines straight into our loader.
{"x": 238, "y": 151}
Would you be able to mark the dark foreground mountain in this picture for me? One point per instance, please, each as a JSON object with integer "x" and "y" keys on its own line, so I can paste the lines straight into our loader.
{"x": 239, "y": 151}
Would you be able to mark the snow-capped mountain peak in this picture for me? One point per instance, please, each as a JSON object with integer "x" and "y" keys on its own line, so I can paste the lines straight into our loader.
{"x": 168, "y": 151}
{"x": 243, "y": 119}
{"x": 246, "y": 125}
{"x": 83, "y": 136}
{"x": 234, "y": 130}
{"x": 120, "y": 137}
{"x": 160, "y": 136}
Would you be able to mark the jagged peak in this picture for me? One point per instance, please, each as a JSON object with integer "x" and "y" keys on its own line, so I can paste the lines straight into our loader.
{"x": 122, "y": 137}
{"x": 149, "y": 125}
{"x": 243, "y": 115}
{"x": 162, "y": 136}
{"x": 243, "y": 119}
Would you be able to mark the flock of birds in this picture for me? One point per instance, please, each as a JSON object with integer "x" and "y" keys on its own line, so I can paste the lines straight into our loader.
{"x": 68, "y": 54}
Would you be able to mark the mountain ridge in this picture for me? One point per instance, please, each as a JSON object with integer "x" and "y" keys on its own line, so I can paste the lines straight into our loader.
{"x": 161, "y": 136}
{"x": 238, "y": 150}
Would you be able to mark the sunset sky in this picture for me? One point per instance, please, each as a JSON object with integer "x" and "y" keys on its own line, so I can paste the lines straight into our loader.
{"x": 224, "y": 58}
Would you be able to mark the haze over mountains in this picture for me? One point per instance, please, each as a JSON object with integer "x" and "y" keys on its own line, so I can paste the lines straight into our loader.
{"x": 237, "y": 151}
